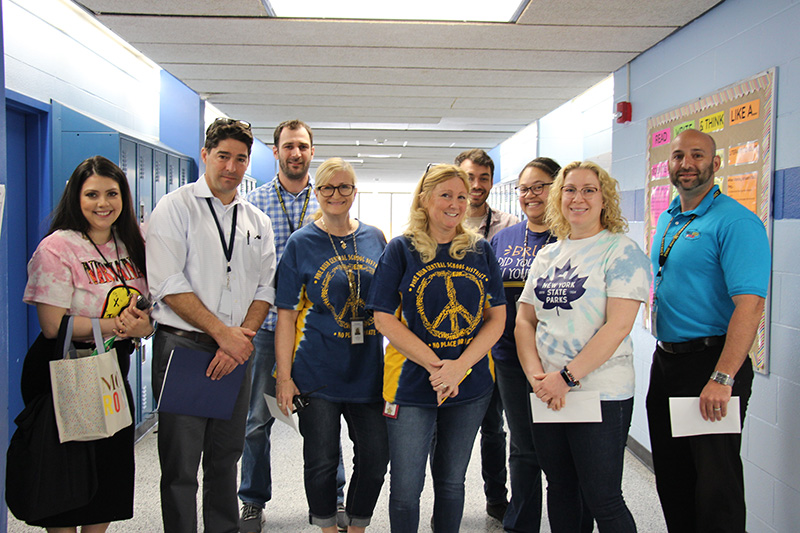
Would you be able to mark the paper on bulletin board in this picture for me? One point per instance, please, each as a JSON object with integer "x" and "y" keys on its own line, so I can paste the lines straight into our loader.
{"x": 2, "y": 205}
{"x": 742, "y": 188}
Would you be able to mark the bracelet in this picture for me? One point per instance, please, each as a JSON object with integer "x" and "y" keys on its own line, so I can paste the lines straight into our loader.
{"x": 280, "y": 381}
{"x": 569, "y": 378}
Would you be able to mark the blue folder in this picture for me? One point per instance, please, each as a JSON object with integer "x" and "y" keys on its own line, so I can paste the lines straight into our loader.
{"x": 187, "y": 390}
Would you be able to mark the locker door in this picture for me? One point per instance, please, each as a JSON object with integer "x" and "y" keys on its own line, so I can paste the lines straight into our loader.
{"x": 159, "y": 176}
{"x": 186, "y": 167}
{"x": 173, "y": 171}
{"x": 144, "y": 174}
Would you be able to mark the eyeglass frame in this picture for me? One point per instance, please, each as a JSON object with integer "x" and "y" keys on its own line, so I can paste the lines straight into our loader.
{"x": 323, "y": 188}
{"x": 581, "y": 191}
{"x": 540, "y": 186}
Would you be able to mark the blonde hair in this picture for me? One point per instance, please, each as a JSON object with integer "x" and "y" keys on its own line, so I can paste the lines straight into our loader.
{"x": 327, "y": 170}
{"x": 611, "y": 215}
{"x": 418, "y": 231}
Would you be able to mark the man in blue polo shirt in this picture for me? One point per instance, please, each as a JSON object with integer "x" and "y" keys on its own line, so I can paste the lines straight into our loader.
{"x": 711, "y": 258}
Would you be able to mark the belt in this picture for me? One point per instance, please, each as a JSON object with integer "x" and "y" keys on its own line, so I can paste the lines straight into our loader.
{"x": 196, "y": 336}
{"x": 694, "y": 345}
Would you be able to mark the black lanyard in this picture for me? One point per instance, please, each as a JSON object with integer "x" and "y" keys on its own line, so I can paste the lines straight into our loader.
{"x": 227, "y": 249}
{"x": 662, "y": 254}
{"x": 108, "y": 265}
{"x": 283, "y": 206}
{"x": 488, "y": 222}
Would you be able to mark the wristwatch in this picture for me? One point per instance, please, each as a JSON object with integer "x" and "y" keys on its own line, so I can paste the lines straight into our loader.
{"x": 722, "y": 378}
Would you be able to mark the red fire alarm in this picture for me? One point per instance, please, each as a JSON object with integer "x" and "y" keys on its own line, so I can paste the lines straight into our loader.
{"x": 623, "y": 112}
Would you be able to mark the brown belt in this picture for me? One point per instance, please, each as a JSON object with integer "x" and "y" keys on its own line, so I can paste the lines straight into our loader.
{"x": 196, "y": 336}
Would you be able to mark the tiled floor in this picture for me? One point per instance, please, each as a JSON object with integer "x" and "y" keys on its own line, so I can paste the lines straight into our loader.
{"x": 287, "y": 512}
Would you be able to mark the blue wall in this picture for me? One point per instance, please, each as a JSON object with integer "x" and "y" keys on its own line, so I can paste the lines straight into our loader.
{"x": 737, "y": 39}
{"x": 180, "y": 117}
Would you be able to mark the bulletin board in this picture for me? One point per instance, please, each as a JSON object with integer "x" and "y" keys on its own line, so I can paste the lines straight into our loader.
{"x": 740, "y": 118}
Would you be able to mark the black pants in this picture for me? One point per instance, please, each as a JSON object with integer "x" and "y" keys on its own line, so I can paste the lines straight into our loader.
{"x": 699, "y": 479}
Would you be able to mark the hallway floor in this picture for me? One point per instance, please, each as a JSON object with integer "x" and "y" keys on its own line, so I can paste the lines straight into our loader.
{"x": 287, "y": 512}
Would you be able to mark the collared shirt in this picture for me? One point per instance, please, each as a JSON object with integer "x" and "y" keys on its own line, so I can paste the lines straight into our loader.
{"x": 185, "y": 254}
{"x": 266, "y": 199}
{"x": 722, "y": 253}
{"x": 500, "y": 220}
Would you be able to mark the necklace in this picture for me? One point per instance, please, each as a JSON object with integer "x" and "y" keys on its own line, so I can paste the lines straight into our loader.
{"x": 354, "y": 300}
{"x": 347, "y": 269}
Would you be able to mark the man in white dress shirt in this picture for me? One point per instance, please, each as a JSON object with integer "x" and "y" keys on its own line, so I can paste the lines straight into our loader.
{"x": 210, "y": 267}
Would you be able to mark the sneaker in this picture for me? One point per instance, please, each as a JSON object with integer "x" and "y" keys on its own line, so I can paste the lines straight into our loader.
{"x": 341, "y": 518}
{"x": 497, "y": 510}
{"x": 252, "y": 519}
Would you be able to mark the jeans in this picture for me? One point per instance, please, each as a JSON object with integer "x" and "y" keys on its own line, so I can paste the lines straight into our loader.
{"x": 524, "y": 513}
{"x": 410, "y": 436}
{"x": 256, "y": 482}
{"x": 493, "y": 451}
{"x": 320, "y": 427}
{"x": 699, "y": 479}
{"x": 586, "y": 459}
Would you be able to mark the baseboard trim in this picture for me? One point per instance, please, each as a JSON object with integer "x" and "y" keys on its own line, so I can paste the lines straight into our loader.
{"x": 640, "y": 452}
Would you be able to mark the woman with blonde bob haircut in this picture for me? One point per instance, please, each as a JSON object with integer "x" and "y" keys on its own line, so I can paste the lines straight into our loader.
{"x": 438, "y": 297}
{"x": 573, "y": 330}
{"x": 326, "y": 344}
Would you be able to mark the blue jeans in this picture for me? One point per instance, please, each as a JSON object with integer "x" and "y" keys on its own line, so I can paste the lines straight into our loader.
{"x": 320, "y": 427}
{"x": 586, "y": 459}
{"x": 410, "y": 436}
{"x": 256, "y": 482}
{"x": 524, "y": 513}
{"x": 493, "y": 451}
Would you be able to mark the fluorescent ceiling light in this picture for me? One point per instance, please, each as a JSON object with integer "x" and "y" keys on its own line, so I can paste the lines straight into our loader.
{"x": 439, "y": 10}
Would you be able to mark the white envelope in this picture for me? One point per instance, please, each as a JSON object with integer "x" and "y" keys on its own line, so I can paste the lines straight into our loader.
{"x": 580, "y": 406}
{"x": 684, "y": 414}
{"x": 276, "y": 412}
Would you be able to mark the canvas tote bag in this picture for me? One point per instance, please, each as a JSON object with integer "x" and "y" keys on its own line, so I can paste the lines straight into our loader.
{"x": 88, "y": 391}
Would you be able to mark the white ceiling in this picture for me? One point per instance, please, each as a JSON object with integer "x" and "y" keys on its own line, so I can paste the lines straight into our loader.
{"x": 426, "y": 91}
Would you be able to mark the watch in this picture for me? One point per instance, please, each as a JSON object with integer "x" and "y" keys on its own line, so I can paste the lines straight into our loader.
{"x": 722, "y": 378}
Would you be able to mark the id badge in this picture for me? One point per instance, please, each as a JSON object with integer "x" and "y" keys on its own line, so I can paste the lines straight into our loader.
{"x": 226, "y": 302}
{"x": 653, "y": 317}
{"x": 390, "y": 409}
{"x": 356, "y": 331}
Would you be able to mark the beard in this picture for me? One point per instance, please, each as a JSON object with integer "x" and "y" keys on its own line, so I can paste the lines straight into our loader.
{"x": 704, "y": 175}
{"x": 295, "y": 176}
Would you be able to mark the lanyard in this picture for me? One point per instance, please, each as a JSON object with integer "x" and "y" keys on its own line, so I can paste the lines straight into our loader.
{"x": 662, "y": 254}
{"x": 108, "y": 265}
{"x": 227, "y": 249}
{"x": 283, "y": 206}
{"x": 488, "y": 222}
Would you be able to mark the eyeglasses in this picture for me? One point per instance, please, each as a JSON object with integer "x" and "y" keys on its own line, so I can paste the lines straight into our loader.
{"x": 345, "y": 189}
{"x": 536, "y": 189}
{"x": 568, "y": 191}
{"x": 225, "y": 121}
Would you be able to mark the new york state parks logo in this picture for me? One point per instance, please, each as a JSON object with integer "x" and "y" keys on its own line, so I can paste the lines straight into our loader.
{"x": 564, "y": 287}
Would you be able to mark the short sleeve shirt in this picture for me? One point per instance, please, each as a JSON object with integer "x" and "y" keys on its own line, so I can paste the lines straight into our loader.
{"x": 722, "y": 253}
{"x": 569, "y": 286}
{"x": 515, "y": 254}
{"x": 67, "y": 271}
{"x": 325, "y": 290}
{"x": 442, "y": 303}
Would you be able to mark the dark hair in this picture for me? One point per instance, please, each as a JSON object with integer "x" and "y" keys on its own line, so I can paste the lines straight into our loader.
{"x": 228, "y": 128}
{"x": 68, "y": 215}
{"x": 477, "y": 156}
{"x": 292, "y": 125}
{"x": 545, "y": 164}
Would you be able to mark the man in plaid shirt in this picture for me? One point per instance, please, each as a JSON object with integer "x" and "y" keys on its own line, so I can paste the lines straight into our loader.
{"x": 289, "y": 202}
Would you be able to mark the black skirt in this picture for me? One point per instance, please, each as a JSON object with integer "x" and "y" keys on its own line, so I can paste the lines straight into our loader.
{"x": 113, "y": 457}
